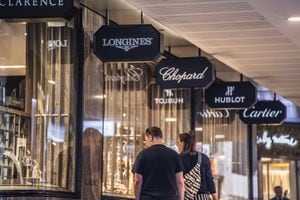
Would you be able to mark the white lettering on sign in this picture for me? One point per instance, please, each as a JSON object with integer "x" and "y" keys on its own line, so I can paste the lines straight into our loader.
{"x": 266, "y": 113}
{"x": 169, "y": 93}
{"x": 168, "y": 100}
{"x": 228, "y": 97}
{"x": 52, "y": 44}
{"x": 127, "y": 43}
{"x": 276, "y": 139}
{"x": 172, "y": 74}
{"x": 214, "y": 113}
{"x": 129, "y": 75}
{"x": 229, "y": 91}
{"x": 31, "y": 3}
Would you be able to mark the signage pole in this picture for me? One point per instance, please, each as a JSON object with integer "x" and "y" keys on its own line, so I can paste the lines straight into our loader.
{"x": 142, "y": 17}
{"x": 193, "y": 103}
{"x": 107, "y": 17}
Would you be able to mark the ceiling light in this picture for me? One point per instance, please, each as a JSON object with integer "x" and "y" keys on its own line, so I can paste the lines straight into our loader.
{"x": 12, "y": 66}
{"x": 100, "y": 96}
{"x": 198, "y": 129}
{"x": 219, "y": 136}
{"x": 170, "y": 119}
{"x": 294, "y": 19}
{"x": 51, "y": 82}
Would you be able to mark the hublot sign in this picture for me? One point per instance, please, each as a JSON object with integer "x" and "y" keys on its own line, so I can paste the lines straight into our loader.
{"x": 37, "y": 8}
{"x": 231, "y": 95}
{"x": 184, "y": 72}
{"x": 264, "y": 112}
{"x": 127, "y": 43}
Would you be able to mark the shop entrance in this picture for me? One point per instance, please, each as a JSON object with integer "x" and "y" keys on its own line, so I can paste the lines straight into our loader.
{"x": 280, "y": 172}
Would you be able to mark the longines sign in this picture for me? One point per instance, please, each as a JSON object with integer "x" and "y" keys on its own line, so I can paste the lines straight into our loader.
{"x": 127, "y": 43}
{"x": 264, "y": 112}
{"x": 230, "y": 95}
{"x": 37, "y": 8}
{"x": 184, "y": 72}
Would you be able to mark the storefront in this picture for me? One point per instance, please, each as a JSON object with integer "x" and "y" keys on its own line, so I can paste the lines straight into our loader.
{"x": 278, "y": 154}
{"x": 39, "y": 102}
{"x": 72, "y": 124}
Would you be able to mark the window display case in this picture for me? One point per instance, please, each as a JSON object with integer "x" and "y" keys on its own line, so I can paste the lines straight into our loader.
{"x": 38, "y": 112}
{"x": 131, "y": 104}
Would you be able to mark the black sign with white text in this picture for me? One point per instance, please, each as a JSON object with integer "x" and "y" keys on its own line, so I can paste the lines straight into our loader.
{"x": 264, "y": 112}
{"x": 184, "y": 72}
{"x": 37, "y": 8}
{"x": 127, "y": 43}
{"x": 232, "y": 95}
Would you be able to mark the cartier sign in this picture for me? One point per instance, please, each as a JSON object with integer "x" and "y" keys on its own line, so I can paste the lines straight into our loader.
{"x": 127, "y": 43}
{"x": 230, "y": 95}
{"x": 264, "y": 112}
{"x": 184, "y": 72}
{"x": 37, "y": 8}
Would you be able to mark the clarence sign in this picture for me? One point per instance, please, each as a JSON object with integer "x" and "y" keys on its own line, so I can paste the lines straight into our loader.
{"x": 264, "y": 112}
{"x": 230, "y": 95}
{"x": 184, "y": 72}
{"x": 127, "y": 43}
{"x": 37, "y": 8}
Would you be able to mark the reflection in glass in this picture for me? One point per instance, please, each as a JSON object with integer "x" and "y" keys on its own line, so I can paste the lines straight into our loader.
{"x": 37, "y": 107}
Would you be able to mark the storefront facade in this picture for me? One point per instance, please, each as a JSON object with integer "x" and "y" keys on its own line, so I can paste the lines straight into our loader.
{"x": 73, "y": 125}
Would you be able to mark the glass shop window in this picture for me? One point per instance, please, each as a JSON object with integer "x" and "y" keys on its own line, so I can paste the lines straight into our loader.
{"x": 37, "y": 106}
{"x": 134, "y": 102}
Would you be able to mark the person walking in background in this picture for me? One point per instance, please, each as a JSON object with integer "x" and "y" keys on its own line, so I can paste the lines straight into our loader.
{"x": 278, "y": 194}
{"x": 199, "y": 183}
{"x": 158, "y": 172}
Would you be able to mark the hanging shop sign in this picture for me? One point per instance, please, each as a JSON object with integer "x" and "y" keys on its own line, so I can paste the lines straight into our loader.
{"x": 38, "y": 8}
{"x": 127, "y": 43}
{"x": 184, "y": 72}
{"x": 264, "y": 112}
{"x": 231, "y": 95}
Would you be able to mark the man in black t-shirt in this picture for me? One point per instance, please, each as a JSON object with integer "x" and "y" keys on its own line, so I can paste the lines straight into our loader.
{"x": 157, "y": 170}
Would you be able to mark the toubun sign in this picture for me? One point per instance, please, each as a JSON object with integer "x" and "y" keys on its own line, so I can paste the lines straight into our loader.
{"x": 264, "y": 112}
{"x": 37, "y": 8}
{"x": 184, "y": 72}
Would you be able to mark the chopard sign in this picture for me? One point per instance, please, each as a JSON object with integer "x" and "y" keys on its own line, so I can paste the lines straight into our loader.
{"x": 126, "y": 43}
{"x": 184, "y": 72}
{"x": 129, "y": 75}
{"x": 173, "y": 74}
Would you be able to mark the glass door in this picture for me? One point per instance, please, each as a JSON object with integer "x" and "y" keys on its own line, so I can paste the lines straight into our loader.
{"x": 278, "y": 172}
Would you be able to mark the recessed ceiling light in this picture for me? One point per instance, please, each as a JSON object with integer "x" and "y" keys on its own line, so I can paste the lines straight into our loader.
{"x": 294, "y": 19}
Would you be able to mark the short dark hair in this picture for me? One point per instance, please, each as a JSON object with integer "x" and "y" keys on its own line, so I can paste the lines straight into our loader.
{"x": 154, "y": 132}
{"x": 277, "y": 187}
